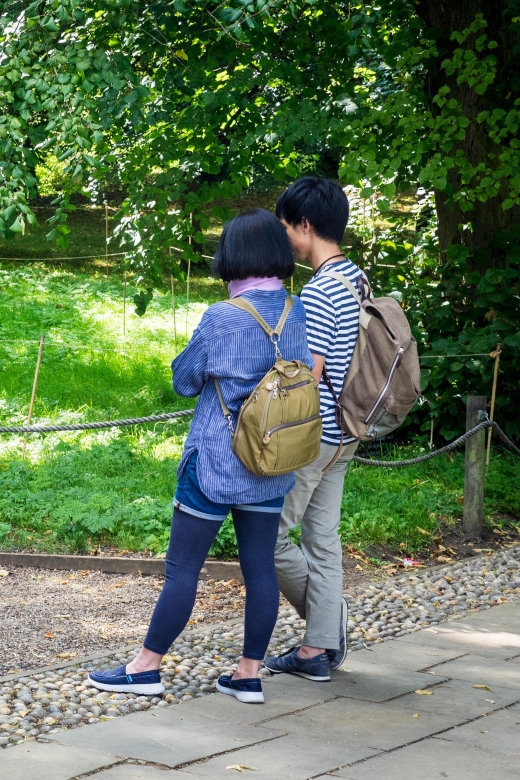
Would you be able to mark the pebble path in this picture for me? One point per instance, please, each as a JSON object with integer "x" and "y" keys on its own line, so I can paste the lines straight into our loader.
{"x": 40, "y": 704}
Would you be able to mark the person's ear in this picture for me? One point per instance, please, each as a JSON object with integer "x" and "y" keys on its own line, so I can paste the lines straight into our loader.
{"x": 305, "y": 225}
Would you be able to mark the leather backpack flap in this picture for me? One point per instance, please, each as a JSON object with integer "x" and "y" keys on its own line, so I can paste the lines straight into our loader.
{"x": 390, "y": 314}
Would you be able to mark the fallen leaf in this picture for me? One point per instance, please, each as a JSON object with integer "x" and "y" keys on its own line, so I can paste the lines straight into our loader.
{"x": 367, "y": 647}
{"x": 483, "y": 688}
{"x": 444, "y": 559}
{"x": 48, "y": 635}
{"x": 483, "y": 732}
{"x": 424, "y": 693}
{"x": 417, "y": 715}
{"x": 490, "y": 701}
{"x": 240, "y": 767}
{"x": 62, "y": 616}
{"x": 358, "y": 568}
{"x": 4, "y": 573}
{"x": 65, "y": 655}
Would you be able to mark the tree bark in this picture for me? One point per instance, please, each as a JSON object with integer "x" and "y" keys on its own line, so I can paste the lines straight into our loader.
{"x": 487, "y": 219}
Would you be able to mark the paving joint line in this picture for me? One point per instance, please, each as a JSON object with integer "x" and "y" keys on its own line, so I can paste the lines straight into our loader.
{"x": 204, "y": 760}
{"x": 295, "y": 712}
{"x": 92, "y": 772}
{"x": 440, "y": 663}
{"x": 432, "y": 685}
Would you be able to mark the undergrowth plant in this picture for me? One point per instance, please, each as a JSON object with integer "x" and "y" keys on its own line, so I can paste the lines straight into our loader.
{"x": 76, "y": 491}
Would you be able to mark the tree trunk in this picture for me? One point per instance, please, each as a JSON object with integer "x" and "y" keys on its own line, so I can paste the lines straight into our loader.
{"x": 487, "y": 219}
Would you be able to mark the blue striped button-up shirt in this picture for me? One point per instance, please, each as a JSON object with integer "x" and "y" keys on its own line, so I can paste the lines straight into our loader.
{"x": 231, "y": 345}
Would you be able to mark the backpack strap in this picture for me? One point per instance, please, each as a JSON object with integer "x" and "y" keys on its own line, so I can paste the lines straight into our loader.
{"x": 226, "y": 411}
{"x": 364, "y": 316}
{"x": 241, "y": 303}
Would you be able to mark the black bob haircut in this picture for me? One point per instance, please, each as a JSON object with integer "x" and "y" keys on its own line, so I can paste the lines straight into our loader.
{"x": 320, "y": 201}
{"x": 253, "y": 244}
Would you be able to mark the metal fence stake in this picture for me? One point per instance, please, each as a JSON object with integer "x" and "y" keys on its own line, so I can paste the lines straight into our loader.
{"x": 475, "y": 469}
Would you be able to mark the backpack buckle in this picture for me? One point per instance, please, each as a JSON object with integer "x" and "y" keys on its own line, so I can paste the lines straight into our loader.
{"x": 275, "y": 339}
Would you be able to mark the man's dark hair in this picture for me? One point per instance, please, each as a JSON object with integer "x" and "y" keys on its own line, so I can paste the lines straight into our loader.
{"x": 253, "y": 244}
{"x": 320, "y": 201}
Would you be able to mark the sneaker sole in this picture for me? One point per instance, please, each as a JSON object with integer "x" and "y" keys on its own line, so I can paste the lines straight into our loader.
{"x": 247, "y": 697}
{"x": 344, "y": 618}
{"x": 307, "y": 676}
{"x": 145, "y": 690}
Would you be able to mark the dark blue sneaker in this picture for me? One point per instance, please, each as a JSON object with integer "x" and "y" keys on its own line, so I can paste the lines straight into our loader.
{"x": 247, "y": 690}
{"x": 317, "y": 668}
{"x": 118, "y": 680}
{"x": 337, "y": 657}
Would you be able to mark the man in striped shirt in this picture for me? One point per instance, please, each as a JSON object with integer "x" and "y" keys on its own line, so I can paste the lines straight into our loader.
{"x": 314, "y": 212}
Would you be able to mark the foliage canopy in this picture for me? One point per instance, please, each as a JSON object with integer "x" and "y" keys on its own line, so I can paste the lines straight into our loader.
{"x": 188, "y": 103}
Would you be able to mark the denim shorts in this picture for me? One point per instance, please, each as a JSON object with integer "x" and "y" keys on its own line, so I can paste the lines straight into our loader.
{"x": 190, "y": 498}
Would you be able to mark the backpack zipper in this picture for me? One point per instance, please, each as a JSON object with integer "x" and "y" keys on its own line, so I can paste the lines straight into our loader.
{"x": 293, "y": 387}
{"x": 268, "y": 435}
{"x": 383, "y": 392}
{"x": 273, "y": 394}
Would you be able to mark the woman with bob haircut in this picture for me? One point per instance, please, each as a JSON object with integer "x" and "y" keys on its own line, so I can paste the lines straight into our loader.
{"x": 253, "y": 256}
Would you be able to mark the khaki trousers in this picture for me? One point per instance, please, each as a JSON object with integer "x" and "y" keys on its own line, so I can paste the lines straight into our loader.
{"x": 311, "y": 578}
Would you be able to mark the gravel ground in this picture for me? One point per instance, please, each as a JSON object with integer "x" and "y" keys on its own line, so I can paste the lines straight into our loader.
{"x": 48, "y": 616}
{"x": 45, "y": 703}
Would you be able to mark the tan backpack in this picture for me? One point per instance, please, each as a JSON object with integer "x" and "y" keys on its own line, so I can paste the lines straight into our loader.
{"x": 279, "y": 425}
{"x": 383, "y": 381}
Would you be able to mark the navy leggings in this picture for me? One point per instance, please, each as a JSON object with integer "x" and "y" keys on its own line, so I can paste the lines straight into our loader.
{"x": 190, "y": 540}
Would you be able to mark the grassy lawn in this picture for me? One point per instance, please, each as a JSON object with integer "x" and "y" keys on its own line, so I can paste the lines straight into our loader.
{"x": 79, "y": 490}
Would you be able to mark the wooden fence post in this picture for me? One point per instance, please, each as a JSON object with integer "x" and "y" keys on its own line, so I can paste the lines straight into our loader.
{"x": 33, "y": 394}
{"x": 475, "y": 470}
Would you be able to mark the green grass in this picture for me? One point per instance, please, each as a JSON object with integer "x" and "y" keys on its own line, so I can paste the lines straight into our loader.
{"x": 77, "y": 490}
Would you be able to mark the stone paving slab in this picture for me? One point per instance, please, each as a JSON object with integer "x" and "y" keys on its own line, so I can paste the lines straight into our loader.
{"x": 170, "y": 736}
{"x": 460, "y": 637}
{"x": 370, "y": 682}
{"x": 279, "y": 700}
{"x": 36, "y": 761}
{"x": 459, "y": 700}
{"x": 413, "y": 656}
{"x": 295, "y": 757}
{"x": 479, "y": 671}
{"x": 378, "y": 726}
{"x": 434, "y": 759}
{"x": 499, "y": 731}
{"x": 493, "y": 632}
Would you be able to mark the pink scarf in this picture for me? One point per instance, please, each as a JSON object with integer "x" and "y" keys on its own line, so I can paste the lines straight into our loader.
{"x": 239, "y": 286}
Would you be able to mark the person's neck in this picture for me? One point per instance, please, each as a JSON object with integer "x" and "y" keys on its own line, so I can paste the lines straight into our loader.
{"x": 324, "y": 253}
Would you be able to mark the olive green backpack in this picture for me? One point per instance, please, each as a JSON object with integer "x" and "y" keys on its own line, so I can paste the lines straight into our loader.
{"x": 279, "y": 425}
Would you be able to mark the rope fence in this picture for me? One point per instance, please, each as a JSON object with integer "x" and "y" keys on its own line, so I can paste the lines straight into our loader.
{"x": 96, "y": 426}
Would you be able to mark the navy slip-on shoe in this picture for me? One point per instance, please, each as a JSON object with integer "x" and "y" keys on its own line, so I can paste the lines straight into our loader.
{"x": 118, "y": 680}
{"x": 248, "y": 690}
{"x": 317, "y": 668}
{"x": 337, "y": 657}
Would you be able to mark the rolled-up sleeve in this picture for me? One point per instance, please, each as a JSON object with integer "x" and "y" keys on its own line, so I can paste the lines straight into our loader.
{"x": 189, "y": 368}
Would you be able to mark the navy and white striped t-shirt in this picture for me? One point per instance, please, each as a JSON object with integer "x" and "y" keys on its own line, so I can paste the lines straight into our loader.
{"x": 332, "y": 331}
